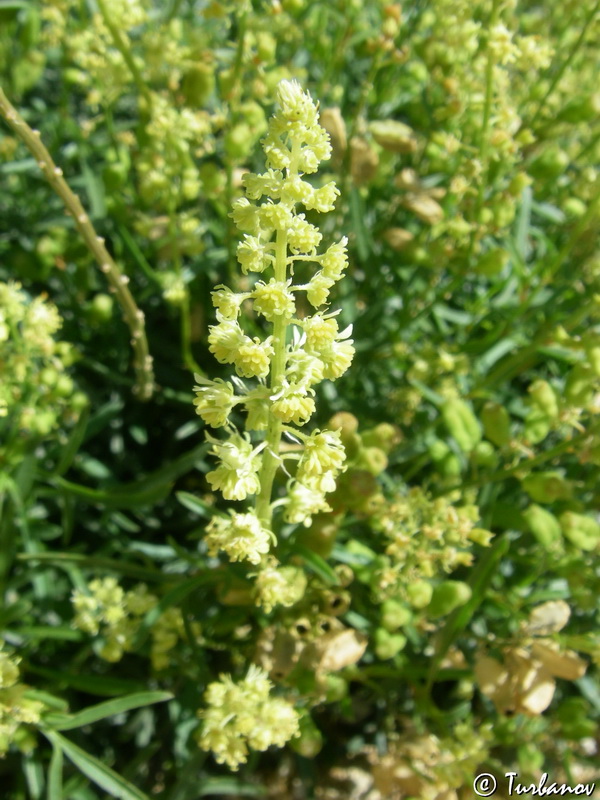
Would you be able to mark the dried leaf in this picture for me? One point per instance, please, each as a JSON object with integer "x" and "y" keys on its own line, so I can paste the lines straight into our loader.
{"x": 550, "y": 617}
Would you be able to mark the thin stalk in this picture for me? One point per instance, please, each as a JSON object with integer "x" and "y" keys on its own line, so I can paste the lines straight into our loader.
{"x": 484, "y": 138}
{"x": 122, "y": 45}
{"x": 565, "y": 64}
{"x": 133, "y": 316}
{"x": 271, "y": 459}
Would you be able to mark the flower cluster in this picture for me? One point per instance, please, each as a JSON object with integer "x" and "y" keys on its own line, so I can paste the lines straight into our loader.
{"x": 36, "y": 393}
{"x": 244, "y": 715}
{"x": 426, "y": 536}
{"x": 298, "y": 352}
{"x": 107, "y": 610}
{"x": 15, "y": 708}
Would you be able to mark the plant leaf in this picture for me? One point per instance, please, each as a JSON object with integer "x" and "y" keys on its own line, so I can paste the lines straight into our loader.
{"x": 62, "y": 722}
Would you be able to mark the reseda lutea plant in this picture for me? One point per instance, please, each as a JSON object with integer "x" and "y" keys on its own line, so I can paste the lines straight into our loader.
{"x": 296, "y": 355}
{"x": 276, "y": 238}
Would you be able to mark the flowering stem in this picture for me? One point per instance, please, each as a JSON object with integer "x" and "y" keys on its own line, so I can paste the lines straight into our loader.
{"x": 122, "y": 45}
{"x": 561, "y": 70}
{"x": 271, "y": 456}
{"x": 118, "y": 282}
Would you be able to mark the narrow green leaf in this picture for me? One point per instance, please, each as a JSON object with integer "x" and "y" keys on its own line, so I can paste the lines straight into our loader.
{"x": 318, "y": 565}
{"x": 34, "y": 775}
{"x": 66, "y": 560}
{"x": 193, "y": 503}
{"x": 61, "y": 722}
{"x": 230, "y": 786}
{"x": 73, "y": 444}
{"x": 55, "y": 773}
{"x": 460, "y": 618}
{"x": 95, "y": 770}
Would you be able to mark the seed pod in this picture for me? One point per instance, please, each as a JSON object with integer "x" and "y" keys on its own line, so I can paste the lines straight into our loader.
{"x": 388, "y": 645}
{"x": 450, "y": 466}
{"x": 447, "y": 596}
{"x": 333, "y": 122}
{"x": 496, "y": 423}
{"x": 336, "y": 688}
{"x": 579, "y": 388}
{"x": 591, "y": 344}
{"x": 419, "y": 594}
{"x": 438, "y": 450}
{"x": 321, "y": 534}
{"x": 394, "y": 136}
{"x": 372, "y": 459}
{"x": 580, "y": 530}
{"x": 545, "y": 398}
{"x": 398, "y": 238}
{"x": 384, "y": 436}
{"x": 424, "y": 207}
{"x": 551, "y": 163}
{"x": 394, "y": 615}
{"x": 547, "y": 487}
{"x": 484, "y": 455}
{"x": 363, "y": 161}
{"x": 492, "y": 263}
{"x": 537, "y": 426}
{"x": 310, "y": 741}
{"x": 583, "y": 109}
{"x": 461, "y": 423}
{"x": 544, "y": 526}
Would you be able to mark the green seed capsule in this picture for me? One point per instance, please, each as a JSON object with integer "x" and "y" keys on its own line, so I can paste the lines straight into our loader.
{"x": 582, "y": 531}
{"x": 448, "y": 596}
{"x": 544, "y": 398}
{"x": 547, "y": 487}
{"x": 537, "y": 426}
{"x": 394, "y": 615}
{"x": 496, "y": 423}
{"x": 579, "y": 388}
{"x": 592, "y": 351}
{"x": 384, "y": 436}
{"x": 461, "y": 423}
{"x": 310, "y": 741}
{"x": 388, "y": 645}
{"x": 438, "y": 450}
{"x": 543, "y": 525}
{"x": 484, "y": 455}
{"x": 419, "y": 594}
{"x": 450, "y": 466}
{"x": 492, "y": 263}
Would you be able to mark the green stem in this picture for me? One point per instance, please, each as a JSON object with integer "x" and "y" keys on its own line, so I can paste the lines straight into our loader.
{"x": 122, "y": 45}
{"x": 118, "y": 282}
{"x": 565, "y": 64}
{"x": 484, "y": 138}
{"x": 271, "y": 458}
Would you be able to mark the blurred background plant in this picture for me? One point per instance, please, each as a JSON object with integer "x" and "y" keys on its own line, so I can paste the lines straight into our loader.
{"x": 449, "y": 618}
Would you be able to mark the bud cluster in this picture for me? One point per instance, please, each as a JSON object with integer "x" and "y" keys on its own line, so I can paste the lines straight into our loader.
{"x": 286, "y": 364}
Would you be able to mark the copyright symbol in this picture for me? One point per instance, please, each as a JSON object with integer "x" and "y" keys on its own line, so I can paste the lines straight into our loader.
{"x": 484, "y": 785}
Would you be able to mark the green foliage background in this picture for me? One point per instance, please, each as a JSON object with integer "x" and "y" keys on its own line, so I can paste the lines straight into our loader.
{"x": 466, "y": 149}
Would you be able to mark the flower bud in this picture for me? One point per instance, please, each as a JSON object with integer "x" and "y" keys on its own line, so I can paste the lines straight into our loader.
{"x": 591, "y": 345}
{"x": 462, "y": 424}
{"x": 547, "y": 487}
{"x": 496, "y": 423}
{"x": 543, "y": 525}
{"x": 448, "y": 596}
{"x": 580, "y": 530}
